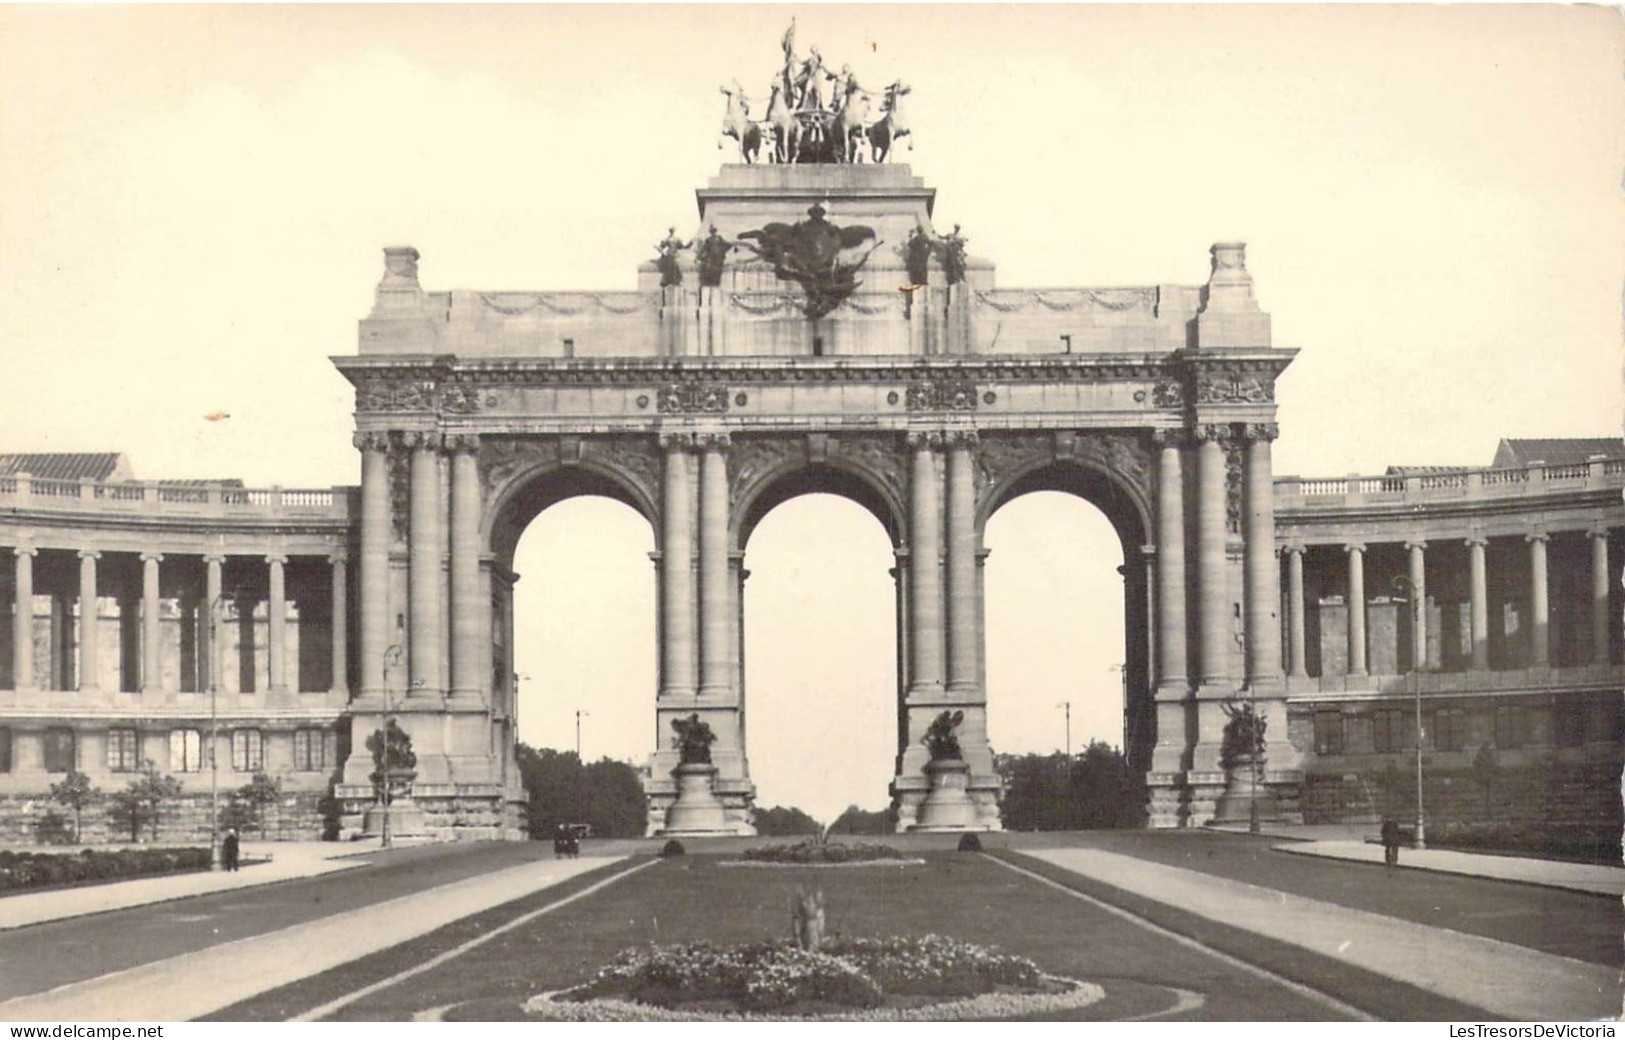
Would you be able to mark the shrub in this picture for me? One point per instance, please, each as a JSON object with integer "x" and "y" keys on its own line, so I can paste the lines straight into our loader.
{"x": 52, "y": 828}
{"x": 673, "y": 847}
{"x": 21, "y": 870}
{"x": 970, "y": 843}
{"x": 812, "y": 851}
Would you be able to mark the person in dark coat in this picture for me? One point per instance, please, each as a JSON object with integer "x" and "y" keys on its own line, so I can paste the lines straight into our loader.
{"x": 230, "y": 850}
{"x": 1390, "y": 843}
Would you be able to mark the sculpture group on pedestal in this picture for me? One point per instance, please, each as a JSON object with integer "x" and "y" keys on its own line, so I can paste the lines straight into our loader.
{"x": 947, "y": 805}
{"x": 697, "y": 809}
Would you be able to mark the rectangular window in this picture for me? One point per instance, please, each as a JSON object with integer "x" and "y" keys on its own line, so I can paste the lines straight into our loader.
{"x": 315, "y": 750}
{"x": 247, "y": 750}
{"x": 1328, "y": 733}
{"x": 1358, "y": 733}
{"x": 1388, "y": 731}
{"x": 59, "y": 751}
{"x": 121, "y": 751}
{"x": 1509, "y": 727}
{"x": 1449, "y": 729}
{"x": 5, "y": 749}
{"x": 185, "y": 751}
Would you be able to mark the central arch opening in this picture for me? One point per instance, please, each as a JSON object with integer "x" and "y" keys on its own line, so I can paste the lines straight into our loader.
{"x": 820, "y": 656}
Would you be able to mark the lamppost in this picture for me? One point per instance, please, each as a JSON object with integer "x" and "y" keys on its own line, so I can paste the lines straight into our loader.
{"x": 579, "y": 713}
{"x": 1255, "y": 745}
{"x": 392, "y": 657}
{"x": 1406, "y": 590}
{"x": 1066, "y": 773}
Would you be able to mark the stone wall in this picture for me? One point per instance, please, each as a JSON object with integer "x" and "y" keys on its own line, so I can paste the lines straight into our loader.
{"x": 295, "y": 817}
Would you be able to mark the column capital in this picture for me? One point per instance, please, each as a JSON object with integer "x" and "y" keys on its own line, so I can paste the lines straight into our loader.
{"x": 1215, "y": 432}
{"x": 276, "y": 557}
{"x": 1266, "y": 431}
{"x": 1599, "y": 531}
{"x": 1171, "y": 437}
{"x": 462, "y": 443}
{"x": 90, "y": 554}
{"x": 1538, "y": 536}
{"x": 1415, "y": 543}
{"x": 338, "y": 557}
{"x": 1295, "y": 548}
{"x": 24, "y": 550}
{"x": 712, "y": 441}
{"x": 152, "y": 557}
{"x": 422, "y": 440}
{"x": 371, "y": 440}
{"x": 219, "y": 558}
{"x": 961, "y": 438}
{"x": 676, "y": 441}
{"x": 1354, "y": 547}
{"x": 924, "y": 439}
{"x": 1476, "y": 539}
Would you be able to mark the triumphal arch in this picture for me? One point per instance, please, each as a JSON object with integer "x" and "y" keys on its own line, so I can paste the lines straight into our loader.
{"x": 818, "y": 331}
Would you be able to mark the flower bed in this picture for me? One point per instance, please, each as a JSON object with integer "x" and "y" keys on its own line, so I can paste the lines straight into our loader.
{"x": 928, "y": 978}
{"x": 809, "y": 852}
{"x": 25, "y": 870}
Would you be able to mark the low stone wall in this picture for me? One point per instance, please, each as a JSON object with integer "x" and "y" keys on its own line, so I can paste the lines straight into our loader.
{"x": 185, "y": 820}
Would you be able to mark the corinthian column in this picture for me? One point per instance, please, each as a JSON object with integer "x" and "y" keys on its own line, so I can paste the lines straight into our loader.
{"x": 1213, "y": 652}
{"x": 423, "y": 564}
{"x": 338, "y": 626}
{"x": 964, "y": 630}
{"x": 152, "y": 672}
{"x": 1538, "y": 642}
{"x": 276, "y": 609}
{"x": 470, "y": 612}
{"x": 374, "y": 578}
{"x": 1480, "y": 604}
{"x": 676, "y": 571}
{"x": 89, "y": 615}
{"x": 1419, "y": 608}
{"x": 1262, "y": 568}
{"x": 717, "y": 617}
{"x": 22, "y": 618}
{"x": 925, "y": 565}
{"x": 1171, "y": 651}
{"x": 1298, "y": 644}
{"x": 1356, "y": 609}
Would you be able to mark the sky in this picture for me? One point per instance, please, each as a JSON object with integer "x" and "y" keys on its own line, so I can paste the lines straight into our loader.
{"x": 196, "y": 199}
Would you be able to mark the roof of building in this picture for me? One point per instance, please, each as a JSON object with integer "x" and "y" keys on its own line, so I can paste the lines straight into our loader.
{"x": 1556, "y": 451}
{"x": 97, "y": 465}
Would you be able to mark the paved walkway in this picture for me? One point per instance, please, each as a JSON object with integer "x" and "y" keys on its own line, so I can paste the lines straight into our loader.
{"x": 1579, "y": 877}
{"x": 1506, "y": 980}
{"x": 194, "y": 984}
{"x": 288, "y": 860}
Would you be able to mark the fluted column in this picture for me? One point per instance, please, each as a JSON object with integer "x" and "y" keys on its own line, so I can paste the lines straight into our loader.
{"x": 1171, "y": 647}
{"x": 469, "y": 615}
{"x": 1599, "y": 596}
{"x": 209, "y": 632}
{"x": 1417, "y": 573}
{"x": 1297, "y": 645}
{"x": 1538, "y": 606}
{"x": 22, "y": 618}
{"x": 716, "y": 598}
{"x": 338, "y": 625}
{"x": 925, "y": 565}
{"x": 374, "y": 577}
{"x": 1263, "y": 570}
{"x": 1480, "y": 604}
{"x": 1214, "y": 619}
{"x": 1356, "y": 608}
{"x": 152, "y": 670}
{"x": 676, "y": 571}
{"x": 964, "y": 633}
{"x": 423, "y": 562}
{"x": 277, "y": 625}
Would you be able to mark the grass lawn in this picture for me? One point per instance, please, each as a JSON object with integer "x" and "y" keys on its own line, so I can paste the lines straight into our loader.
{"x": 965, "y": 896}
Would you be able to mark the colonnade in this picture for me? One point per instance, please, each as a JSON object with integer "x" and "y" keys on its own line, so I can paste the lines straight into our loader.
{"x": 1539, "y": 628}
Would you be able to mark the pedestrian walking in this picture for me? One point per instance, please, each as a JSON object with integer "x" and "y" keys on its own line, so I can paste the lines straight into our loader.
{"x": 230, "y": 850}
{"x": 1390, "y": 843}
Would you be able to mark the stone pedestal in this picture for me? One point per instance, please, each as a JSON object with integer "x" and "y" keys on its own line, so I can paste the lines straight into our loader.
{"x": 1242, "y": 792}
{"x": 407, "y": 823}
{"x": 697, "y": 809}
{"x": 948, "y": 805}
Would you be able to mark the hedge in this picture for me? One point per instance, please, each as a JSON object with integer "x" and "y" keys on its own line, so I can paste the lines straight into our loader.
{"x": 23, "y": 870}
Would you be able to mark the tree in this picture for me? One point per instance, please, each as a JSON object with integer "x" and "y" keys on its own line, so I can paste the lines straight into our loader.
{"x": 607, "y": 795}
{"x": 254, "y": 798}
{"x": 75, "y": 792}
{"x": 858, "y": 821}
{"x": 142, "y": 802}
{"x": 396, "y": 751}
{"x": 783, "y": 821}
{"x": 1047, "y": 793}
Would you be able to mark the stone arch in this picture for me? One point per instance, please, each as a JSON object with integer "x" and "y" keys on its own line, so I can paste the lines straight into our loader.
{"x": 795, "y": 475}
{"x": 1119, "y": 488}
{"x": 523, "y": 494}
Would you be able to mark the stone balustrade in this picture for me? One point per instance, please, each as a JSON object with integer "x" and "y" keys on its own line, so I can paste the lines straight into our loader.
{"x": 1466, "y": 485}
{"x": 155, "y": 498}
